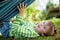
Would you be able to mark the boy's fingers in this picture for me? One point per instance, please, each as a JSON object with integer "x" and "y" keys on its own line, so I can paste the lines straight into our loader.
{"x": 23, "y": 5}
{"x": 18, "y": 7}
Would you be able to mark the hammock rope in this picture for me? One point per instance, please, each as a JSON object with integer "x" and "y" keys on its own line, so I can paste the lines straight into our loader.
{"x": 7, "y": 11}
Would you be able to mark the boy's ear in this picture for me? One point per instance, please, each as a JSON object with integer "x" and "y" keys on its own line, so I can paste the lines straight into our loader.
{"x": 55, "y": 31}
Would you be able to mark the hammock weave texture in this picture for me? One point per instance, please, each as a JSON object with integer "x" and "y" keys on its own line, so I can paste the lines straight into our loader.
{"x": 7, "y": 11}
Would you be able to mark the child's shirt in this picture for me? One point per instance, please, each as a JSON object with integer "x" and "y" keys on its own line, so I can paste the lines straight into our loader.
{"x": 21, "y": 28}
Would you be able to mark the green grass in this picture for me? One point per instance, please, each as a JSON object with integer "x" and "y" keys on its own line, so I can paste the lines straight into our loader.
{"x": 57, "y": 23}
{"x": 38, "y": 38}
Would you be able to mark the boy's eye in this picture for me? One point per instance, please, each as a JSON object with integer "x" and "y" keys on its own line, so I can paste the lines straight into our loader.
{"x": 44, "y": 27}
{"x": 38, "y": 26}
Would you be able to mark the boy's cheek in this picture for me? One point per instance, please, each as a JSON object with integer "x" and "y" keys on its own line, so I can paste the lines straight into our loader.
{"x": 40, "y": 31}
{"x": 37, "y": 29}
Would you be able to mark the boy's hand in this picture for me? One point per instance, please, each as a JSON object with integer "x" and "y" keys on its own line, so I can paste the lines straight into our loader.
{"x": 21, "y": 9}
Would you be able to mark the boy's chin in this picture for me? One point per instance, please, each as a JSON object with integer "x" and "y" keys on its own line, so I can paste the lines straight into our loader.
{"x": 45, "y": 34}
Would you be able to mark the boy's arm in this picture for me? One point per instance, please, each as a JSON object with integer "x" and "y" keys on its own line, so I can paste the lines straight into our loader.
{"x": 21, "y": 10}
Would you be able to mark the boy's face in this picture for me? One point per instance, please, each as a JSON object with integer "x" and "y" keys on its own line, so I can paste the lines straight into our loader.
{"x": 45, "y": 28}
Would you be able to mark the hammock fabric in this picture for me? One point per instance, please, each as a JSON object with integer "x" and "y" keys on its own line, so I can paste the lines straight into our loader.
{"x": 7, "y": 11}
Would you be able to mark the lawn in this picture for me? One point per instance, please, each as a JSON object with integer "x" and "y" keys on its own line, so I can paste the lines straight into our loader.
{"x": 38, "y": 38}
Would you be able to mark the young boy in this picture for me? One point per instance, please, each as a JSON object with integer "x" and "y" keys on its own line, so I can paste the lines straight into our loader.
{"x": 45, "y": 28}
{"x": 21, "y": 29}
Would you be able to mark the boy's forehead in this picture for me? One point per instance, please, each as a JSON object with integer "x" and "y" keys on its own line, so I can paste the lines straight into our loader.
{"x": 45, "y": 22}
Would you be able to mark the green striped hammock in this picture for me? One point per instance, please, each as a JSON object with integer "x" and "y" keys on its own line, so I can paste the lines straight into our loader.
{"x": 8, "y": 8}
